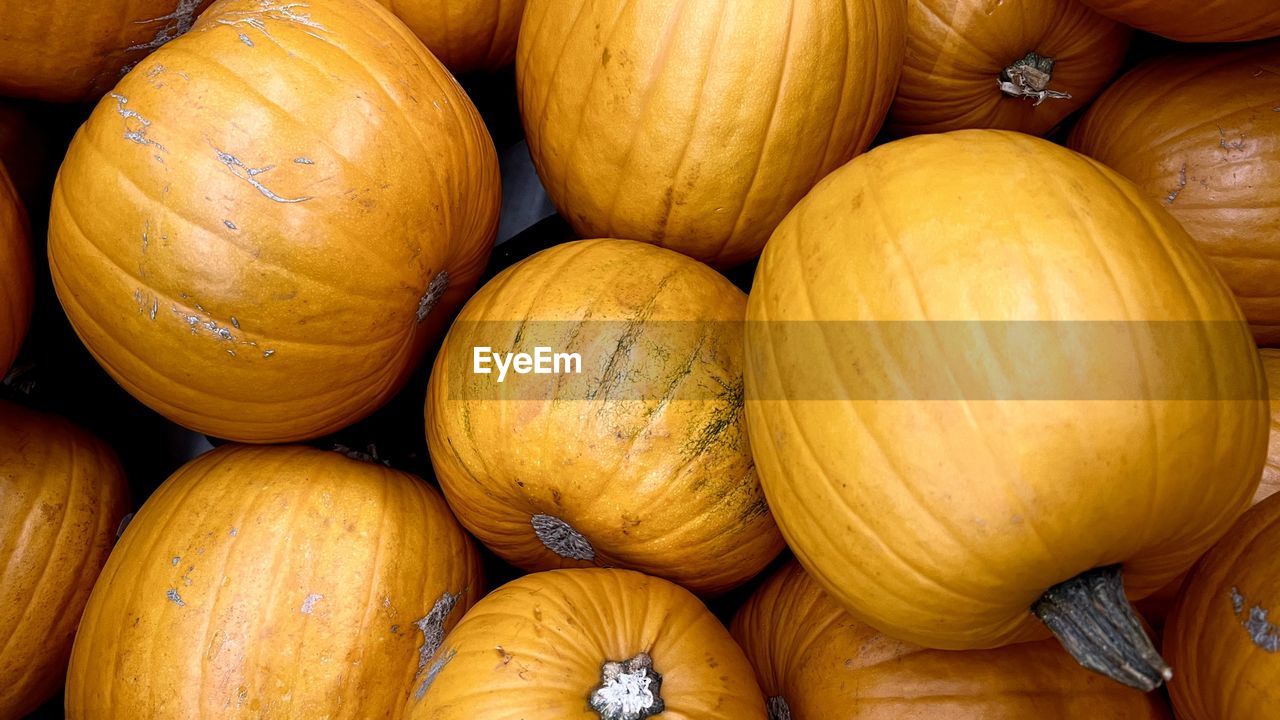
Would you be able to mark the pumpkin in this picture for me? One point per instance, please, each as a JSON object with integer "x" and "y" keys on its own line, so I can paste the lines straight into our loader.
{"x": 273, "y": 582}
{"x": 17, "y": 286}
{"x": 1220, "y": 630}
{"x": 74, "y": 50}
{"x": 259, "y": 230}
{"x": 1156, "y": 606}
{"x": 814, "y": 660}
{"x": 62, "y": 496}
{"x": 697, "y": 125}
{"x": 588, "y": 644}
{"x": 973, "y": 398}
{"x": 1196, "y": 20}
{"x": 466, "y": 35}
{"x": 1019, "y": 65}
{"x": 1200, "y": 134}
{"x": 637, "y": 457}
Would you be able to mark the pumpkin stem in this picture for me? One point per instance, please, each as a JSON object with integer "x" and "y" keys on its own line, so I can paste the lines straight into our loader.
{"x": 778, "y": 708}
{"x": 1093, "y": 619}
{"x": 369, "y": 454}
{"x": 561, "y": 539}
{"x": 629, "y": 690}
{"x": 1029, "y": 77}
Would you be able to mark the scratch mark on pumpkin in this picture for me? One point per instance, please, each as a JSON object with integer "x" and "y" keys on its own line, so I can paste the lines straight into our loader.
{"x": 230, "y": 225}
{"x": 304, "y": 161}
{"x": 1262, "y": 631}
{"x": 268, "y": 353}
{"x": 235, "y": 323}
{"x": 245, "y": 39}
{"x": 272, "y": 10}
{"x": 135, "y": 125}
{"x": 174, "y": 597}
{"x": 175, "y": 23}
{"x": 310, "y": 602}
{"x": 250, "y": 175}
{"x": 176, "y": 559}
{"x": 1182, "y": 183}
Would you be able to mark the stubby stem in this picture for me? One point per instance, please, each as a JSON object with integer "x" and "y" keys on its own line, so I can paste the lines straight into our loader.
{"x": 778, "y": 708}
{"x": 628, "y": 690}
{"x": 1093, "y": 619}
{"x": 1029, "y": 77}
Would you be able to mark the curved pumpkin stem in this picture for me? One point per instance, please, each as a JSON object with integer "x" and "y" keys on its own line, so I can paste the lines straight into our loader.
{"x": 778, "y": 708}
{"x": 629, "y": 690}
{"x": 1029, "y": 77}
{"x": 1093, "y": 619}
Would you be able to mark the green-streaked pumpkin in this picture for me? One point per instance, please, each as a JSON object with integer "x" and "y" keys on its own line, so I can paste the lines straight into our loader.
{"x": 697, "y": 124}
{"x": 814, "y": 660}
{"x": 1200, "y": 134}
{"x": 971, "y": 393}
{"x": 640, "y": 458}
{"x": 261, "y": 227}
{"x": 588, "y": 644}
{"x": 62, "y": 498}
{"x": 275, "y": 581}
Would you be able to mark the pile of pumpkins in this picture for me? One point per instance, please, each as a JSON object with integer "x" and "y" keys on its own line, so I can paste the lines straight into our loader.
{"x": 990, "y": 391}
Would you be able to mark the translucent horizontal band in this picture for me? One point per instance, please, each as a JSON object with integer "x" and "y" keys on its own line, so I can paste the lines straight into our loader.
{"x": 662, "y": 361}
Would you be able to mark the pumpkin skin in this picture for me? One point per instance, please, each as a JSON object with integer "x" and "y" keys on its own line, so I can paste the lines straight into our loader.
{"x": 533, "y": 649}
{"x": 17, "y": 284}
{"x": 1200, "y": 134}
{"x": 696, "y": 126}
{"x": 466, "y": 35}
{"x": 644, "y": 453}
{"x": 819, "y": 662}
{"x": 1219, "y": 629}
{"x": 957, "y": 50}
{"x": 940, "y": 521}
{"x": 1196, "y": 20}
{"x": 304, "y": 195}
{"x": 62, "y": 497}
{"x": 272, "y": 581}
{"x": 75, "y": 50}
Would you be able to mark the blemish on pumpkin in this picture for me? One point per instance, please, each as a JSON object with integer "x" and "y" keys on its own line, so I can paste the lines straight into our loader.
{"x": 303, "y": 161}
{"x": 432, "y": 627}
{"x": 250, "y": 175}
{"x": 433, "y": 672}
{"x": 561, "y": 538}
{"x": 778, "y": 708}
{"x": 230, "y": 225}
{"x": 1229, "y": 146}
{"x": 1182, "y": 183}
{"x": 235, "y": 323}
{"x": 176, "y": 23}
{"x": 234, "y": 532}
{"x": 245, "y": 39}
{"x": 135, "y": 125}
{"x": 310, "y": 602}
{"x": 176, "y": 559}
{"x": 268, "y": 353}
{"x": 271, "y": 10}
{"x": 174, "y": 597}
{"x": 1262, "y": 632}
{"x": 605, "y": 57}
{"x": 435, "y": 289}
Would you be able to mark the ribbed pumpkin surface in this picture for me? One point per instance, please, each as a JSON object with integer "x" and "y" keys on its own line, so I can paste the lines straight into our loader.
{"x": 281, "y": 582}
{"x": 74, "y": 50}
{"x": 1271, "y": 473}
{"x": 816, "y": 661}
{"x": 1222, "y": 630}
{"x": 533, "y": 650}
{"x": 644, "y": 453}
{"x": 697, "y": 124}
{"x": 976, "y": 473}
{"x": 1197, "y": 20}
{"x": 957, "y": 50}
{"x": 259, "y": 230}
{"x": 466, "y": 35}
{"x": 17, "y": 286}
{"x": 1201, "y": 135}
{"x": 62, "y": 497}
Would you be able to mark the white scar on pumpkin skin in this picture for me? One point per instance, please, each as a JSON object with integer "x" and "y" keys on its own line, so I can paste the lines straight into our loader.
{"x": 135, "y": 125}
{"x": 272, "y": 10}
{"x": 250, "y": 175}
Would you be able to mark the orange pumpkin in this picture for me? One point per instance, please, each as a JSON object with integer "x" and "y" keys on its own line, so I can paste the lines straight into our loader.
{"x": 62, "y": 497}
{"x": 1200, "y": 134}
{"x": 17, "y": 286}
{"x": 273, "y": 582}
{"x": 1024, "y": 393}
{"x": 1221, "y": 631}
{"x": 1196, "y": 20}
{"x": 697, "y": 125}
{"x": 73, "y": 50}
{"x": 640, "y": 458}
{"x": 466, "y": 35}
{"x": 1018, "y": 65}
{"x": 307, "y": 194}
{"x": 588, "y": 644}
{"x": 814, "y": 660}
